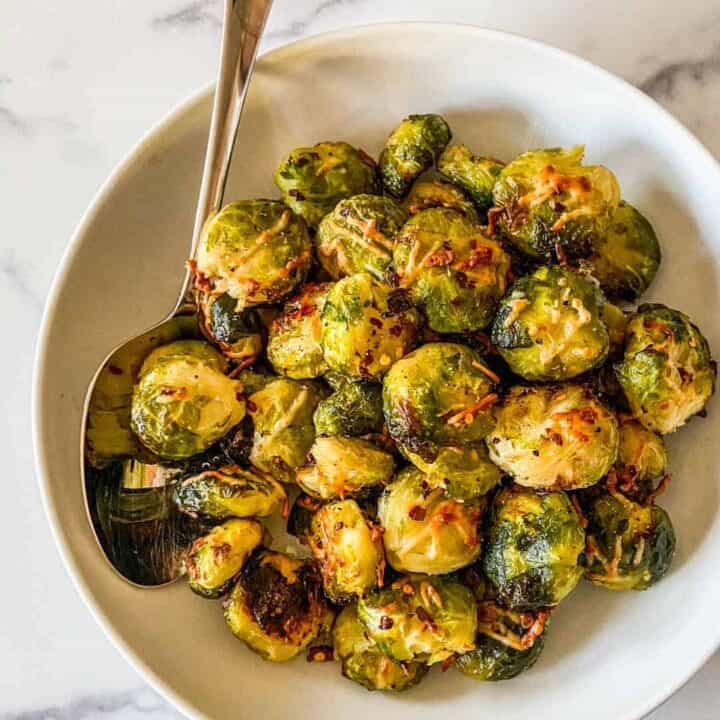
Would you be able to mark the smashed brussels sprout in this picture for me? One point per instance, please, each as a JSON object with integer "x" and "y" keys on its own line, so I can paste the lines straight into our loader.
{"x": 294, "y": 347}
{"x": 626, "y": 256}
{"x": 440, "y": 394}
{"x": 425, "y": 530}
{"x": 230, "y": 491}
{"x": 453, "y": 271}
{"x": 183, "y": 402}
{"x": 314, "y": 179}
{"x": 550, "y": 205}
{"x": 532, "y": 549}
{"x": 215, "y": 559}
{"x": 256, "y": 251}
{"x": 282, "y": 414}
{"x": 642, "y": 459}
{"x": 349, "y": 549}
{"x": 475, "y": 175}
{"x": 362, "y": 661}
{"x": 366, "y": 327}
{"x": 629, "y": 546}
{"x": 423, "y": 619}
{"x": 554, "y": 437}
{"x": 426, "y": 194}
{"x": 508, "y": 643}
{"x": 549, "y": 326}
{"x": 667, "y": 373}
{"x": 355, "y": 408}
{"x": 463, "y": 472}
{"x": 344, "y": 467}
{"x": 413, "y": 147}
{"x": 359, "y": 235}
{"x": 276, "y": 607}
{"x": 237, "y": 334}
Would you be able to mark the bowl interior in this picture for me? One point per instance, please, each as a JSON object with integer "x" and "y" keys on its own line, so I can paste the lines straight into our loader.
{"x": 607, "y": 655}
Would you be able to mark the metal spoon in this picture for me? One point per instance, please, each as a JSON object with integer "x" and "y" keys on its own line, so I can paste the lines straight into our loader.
{"x": 129, "y": 502}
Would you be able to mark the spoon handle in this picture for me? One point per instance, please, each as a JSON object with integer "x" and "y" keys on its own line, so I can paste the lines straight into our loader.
{"x": 242, "y": 28}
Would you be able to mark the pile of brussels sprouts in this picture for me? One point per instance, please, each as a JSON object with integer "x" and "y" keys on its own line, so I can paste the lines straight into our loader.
{"x": 436, "y": 360}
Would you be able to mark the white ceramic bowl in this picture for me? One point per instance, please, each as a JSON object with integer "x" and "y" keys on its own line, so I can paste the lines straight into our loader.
{"x": 608, "y": 656}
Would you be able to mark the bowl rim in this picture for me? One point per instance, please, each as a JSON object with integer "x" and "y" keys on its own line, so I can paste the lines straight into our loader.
{"x": 143, "y": 147}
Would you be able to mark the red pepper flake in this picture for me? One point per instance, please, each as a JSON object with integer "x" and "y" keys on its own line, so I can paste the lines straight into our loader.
{"x": 417, "y": 513}
{"x": 386, "y": 622}
{"x": 425, "y": 617}
{"x": 447, "y": 663}
{"x": 251, "y": 406}
{"x": 493, "y": 214}
{"x": 115, "y": 370}
{"x": 479, "y": 256}
{"x": 367, "y": 159}
{"x": 320, "y": 653}
{"x": 376, "y": 322}
{"x": 339, "y": 526}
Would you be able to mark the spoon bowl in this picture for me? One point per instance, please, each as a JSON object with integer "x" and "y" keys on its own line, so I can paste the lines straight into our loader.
{"x": 128, "y": 495}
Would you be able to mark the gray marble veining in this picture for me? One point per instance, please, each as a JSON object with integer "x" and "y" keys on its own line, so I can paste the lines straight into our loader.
{"x": 201, "y": 12}
{"x": 662, "y": 83}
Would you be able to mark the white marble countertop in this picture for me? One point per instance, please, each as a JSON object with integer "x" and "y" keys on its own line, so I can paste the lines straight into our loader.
{"x": 80, "y": 82}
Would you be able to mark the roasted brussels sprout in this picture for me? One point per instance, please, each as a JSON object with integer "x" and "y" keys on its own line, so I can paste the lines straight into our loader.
{"x": 508, "y": 643}
{"x": 349, "y": 549}
{"x": 228, "y": 492}
{"x": 256, "y": 251}
{"x": 629, "y": 546}
{"x": 453, "y": 271}
{"x": 366, "y": 327}
{"x": 642, "y": 459}
{"x": 276, "y": 607}
{"x": 215, "y": 559}
{"x": 108, "y": 435}
{"x": 358, "y": 236}
{"x": 475, "y": 175}
{"x": 425, "y": 619}
{"x": 549, "y": 326}
{"x": 553, "y": 437}
{"x": 355, "y": 408}
{"x": 626, "y": 255}
{"x": 282, "y": 413}
{"x": 667, "y": 373}
{"x": 440, "y": 394}
{"x": 314, "y": 179}
{"x": 294, "y": 338}
{"x": 426, "y": 194}
{"x": 463, "y": 472}
{"x": 183, "y": 402}
{"x": 344, "y": 467}
{"x": 551, "y": 206}
{"x": 364, "y": 663}
{"x": 413, "y": 147}
{"x": 425, "y": 530}
{"x": 238, "y": 334}
{"x": 532, "y": 548}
